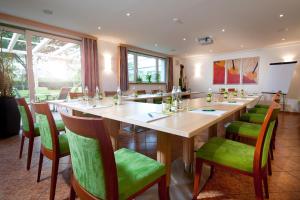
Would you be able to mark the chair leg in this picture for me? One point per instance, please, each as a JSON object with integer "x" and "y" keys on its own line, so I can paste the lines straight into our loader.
{"x": 55, "y": 163}
{"x": 227, "y": 135}
{"x": 198, "y": 170}
{"x": 266, "y": 187}
{"x": 40, "y": 167}
{"x": 271, "y": 151}
{"x": 162, "y": 189}
{"x": 22, "y": 144}
{"x": 72, "y": 193}
{"x": 269, "y": 165}
{"x": 30, "y": 149}
{"x": 212, "y": 170}
{"x": 258, "y": 187}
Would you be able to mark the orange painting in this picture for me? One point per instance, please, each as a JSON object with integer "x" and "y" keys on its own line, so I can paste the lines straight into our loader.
{"x": 233, "y": 71}
{"x": 219, "y": 72}
{"x": 250, "y": 70}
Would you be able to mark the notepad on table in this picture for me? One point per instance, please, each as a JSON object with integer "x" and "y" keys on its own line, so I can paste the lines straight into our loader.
{"x": 208, "y": 111}
{"x": 148, "y": 117}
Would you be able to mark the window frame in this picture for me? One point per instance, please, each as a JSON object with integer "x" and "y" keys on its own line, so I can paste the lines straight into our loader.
{"x": 135, "y": 63}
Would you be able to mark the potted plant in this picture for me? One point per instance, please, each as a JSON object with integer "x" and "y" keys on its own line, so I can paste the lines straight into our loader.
{"x": 9, "y": 115}
{"x": 148, "y": 77}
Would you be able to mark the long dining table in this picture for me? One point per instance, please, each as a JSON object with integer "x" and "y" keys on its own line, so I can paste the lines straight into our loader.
{"x": 185, "y": 124}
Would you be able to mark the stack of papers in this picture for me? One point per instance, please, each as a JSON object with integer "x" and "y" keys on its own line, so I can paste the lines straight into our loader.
{"x": 148, "y": 117}
{"x": 210, "y": 112}
{"x": 235, "y": 103}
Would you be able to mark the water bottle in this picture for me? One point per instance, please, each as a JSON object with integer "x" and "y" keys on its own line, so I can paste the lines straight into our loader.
{"x": 97, "y": 93}
{"x": 179, "y": 98}
{"x": 174, "y": 99}
{"x": 209, "y": 95}
{"x": 119, "y": 96}
{"x": 86, "y": 93}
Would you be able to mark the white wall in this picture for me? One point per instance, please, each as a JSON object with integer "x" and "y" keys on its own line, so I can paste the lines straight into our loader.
{"x": 108, "y": 65}
{"x": 199, "y": 69}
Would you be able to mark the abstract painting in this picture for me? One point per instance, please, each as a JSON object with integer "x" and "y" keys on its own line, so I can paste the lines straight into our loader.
{"x": 233, "y": 71}
{"x": 250, "y": 70}
{"x": 219, "y": 72}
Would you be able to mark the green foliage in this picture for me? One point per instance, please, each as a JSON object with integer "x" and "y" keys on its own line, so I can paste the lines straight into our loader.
{"x": 139, "y": 79}
{"x": 6, "y": 70}
{"x": 157, "y": 77}
{"x": 148, "y": 77}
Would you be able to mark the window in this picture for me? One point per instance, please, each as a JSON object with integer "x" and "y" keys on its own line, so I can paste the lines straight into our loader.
{"x": 144, "y": 68}
{"x": 54, "y": 62}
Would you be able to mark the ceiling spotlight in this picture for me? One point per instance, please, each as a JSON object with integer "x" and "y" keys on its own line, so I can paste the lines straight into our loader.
{"x": 283, "y": 39}
{"x": 223, "y": 30}
{"x": 99, "y": 28}
{"x": 177, "y": 20}
{"x": 156, "y": 45}
{"x": 281, "y": 15}
{"x": 184, "y": 39}
{"x": 128, "y": 14}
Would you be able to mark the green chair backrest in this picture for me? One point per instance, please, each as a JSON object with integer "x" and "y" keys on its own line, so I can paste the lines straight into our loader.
{"x": 26, "y": 117}
{"x": 45, "y": 131}
{"x": 265, "y": 136}
{"x": 92, "y": 156}
{"x": 87, "y": 163}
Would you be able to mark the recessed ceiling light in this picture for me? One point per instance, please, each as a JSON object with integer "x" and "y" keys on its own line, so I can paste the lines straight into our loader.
{"x": 283, "y": 39}
{"x": 281, "y": 15}
{"x": 184, "y": 39}
{"x": 177, "y": 20}
{"x": 48, "y": 11}
{"x": 155, "y": 44}
{"x": 223, "y": 30}
{"x": 99, "y": 28}
{"x": 128, "y": 14}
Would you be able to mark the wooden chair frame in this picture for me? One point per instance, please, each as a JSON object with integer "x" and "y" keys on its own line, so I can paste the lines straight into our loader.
{"x": 259, "y": 173}
{"x": 54, "y": 154}
{"x": 75, "y": 95}
{"x": 27, "y": 134}
{"x": 95, "y": 128}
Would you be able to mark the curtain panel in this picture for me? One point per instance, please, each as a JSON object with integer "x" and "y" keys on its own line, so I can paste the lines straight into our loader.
{"x": 170, "y": 74}
{"x": 91, "y": 67}
{"x": 123, "y": 69}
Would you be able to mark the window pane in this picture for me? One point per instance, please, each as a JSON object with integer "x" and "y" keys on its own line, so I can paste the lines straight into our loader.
{"x": 146, "y": 68}
{"x": 130, "y": 67}
{"x": 161, "y": 75}
{"x": 14, "y": 57}
{"x": 56, "y": 64}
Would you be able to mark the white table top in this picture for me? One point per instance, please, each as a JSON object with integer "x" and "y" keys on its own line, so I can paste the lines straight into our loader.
{"x": 184, "y": 123}
{"x": 154, "y": 96}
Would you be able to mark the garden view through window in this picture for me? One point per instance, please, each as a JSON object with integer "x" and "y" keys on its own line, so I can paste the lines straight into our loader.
{"x": 55, "y": 64}
{"x": 146, "y": 69}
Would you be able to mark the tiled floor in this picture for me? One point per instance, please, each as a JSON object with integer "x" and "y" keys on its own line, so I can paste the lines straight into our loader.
{"x": 17, "y": 183}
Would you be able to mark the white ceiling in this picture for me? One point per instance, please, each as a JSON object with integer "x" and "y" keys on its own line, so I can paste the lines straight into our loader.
{"x": 250, "y": 23}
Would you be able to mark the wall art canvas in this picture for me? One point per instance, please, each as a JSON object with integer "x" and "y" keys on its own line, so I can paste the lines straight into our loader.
{"x": 219, "y": 72}
{"x": 250, "y": 70}
{"x": 233, "y": 71}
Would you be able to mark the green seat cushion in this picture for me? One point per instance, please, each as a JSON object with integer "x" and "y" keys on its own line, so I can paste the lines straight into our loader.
{"x": 262, "y": 106}
{"x": 135, "y": 171}
{"x": 36, "y": 129}
{"x": 228, "y": 153}
{"x": 253, "y": 118}
{"x": 244, "y": 129}
{"x": 258, "y": 110}
{"x": 63, "y": 144}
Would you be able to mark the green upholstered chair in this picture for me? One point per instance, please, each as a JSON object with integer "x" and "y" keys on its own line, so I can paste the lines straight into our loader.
{"x": 139, "y": 92}
{"x": 30, "y": 129}
{"x": 156, "y": 100}
{"x": 53, "y": 145}
{"x": 100, "y": 173}
{"x": 238, "y": 157}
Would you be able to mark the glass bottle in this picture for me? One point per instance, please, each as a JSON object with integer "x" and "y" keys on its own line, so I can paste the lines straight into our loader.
{"x": 86, "y": 93}
{"x": 119, "y": 96}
